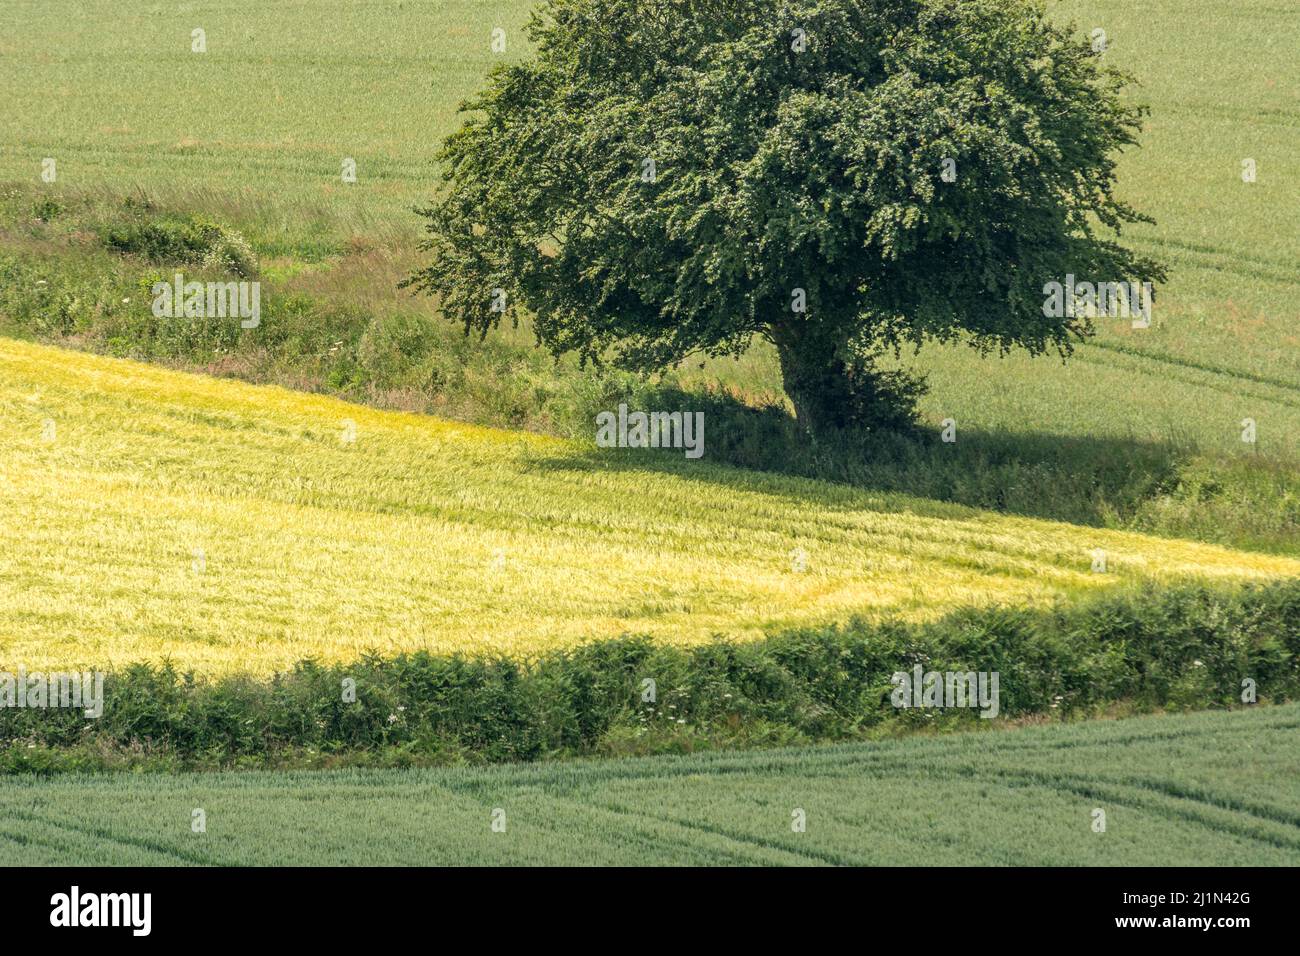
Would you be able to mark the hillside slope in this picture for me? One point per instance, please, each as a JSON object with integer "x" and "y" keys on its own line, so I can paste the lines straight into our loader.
{"x": 380, "y": 83}
{"x": 150, "y": 514}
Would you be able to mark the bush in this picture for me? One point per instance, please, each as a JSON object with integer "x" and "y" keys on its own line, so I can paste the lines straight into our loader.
{"x": 191, "y": 240}
{"x": 231, "y": 252}
{"x": 1184, "y": 647}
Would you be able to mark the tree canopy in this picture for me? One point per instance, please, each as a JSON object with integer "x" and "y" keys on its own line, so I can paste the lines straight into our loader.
{"x": 840, "y": 177}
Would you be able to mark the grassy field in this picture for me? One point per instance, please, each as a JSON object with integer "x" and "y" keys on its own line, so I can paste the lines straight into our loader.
{"x": 256, "y": 128}
{"x": 149, "y": 514}
{"x": 283, "y": 94}
{"x": 1141, "y": 430}
{"x": 234, "y": 529}
{"x": 1207, "y": 789}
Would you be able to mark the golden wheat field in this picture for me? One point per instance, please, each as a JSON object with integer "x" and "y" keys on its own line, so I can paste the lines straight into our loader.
{"x": 147, "y": 514}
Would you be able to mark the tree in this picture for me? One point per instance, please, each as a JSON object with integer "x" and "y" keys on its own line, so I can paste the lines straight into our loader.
{"x": 840, "y": 177}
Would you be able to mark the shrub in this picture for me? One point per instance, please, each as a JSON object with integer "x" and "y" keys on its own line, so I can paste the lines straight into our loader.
{"x": 191, "y": 240}
{"x": 1186, "y": 646}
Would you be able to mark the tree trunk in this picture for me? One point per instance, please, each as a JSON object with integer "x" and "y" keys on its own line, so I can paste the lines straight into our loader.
{"x": 833, "y": 390}
{"x": 818, "y": 381}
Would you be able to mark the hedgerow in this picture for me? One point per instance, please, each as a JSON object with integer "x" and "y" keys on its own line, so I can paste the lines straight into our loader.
{"x": 1179, "y": 648}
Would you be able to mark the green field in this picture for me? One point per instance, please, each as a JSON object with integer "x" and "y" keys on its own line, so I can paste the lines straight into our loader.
{"x": 1141, "y": 429}
{"x": 1207, "y": 789}
{"x": 257, "y": 127}
{"x": 222, "y": 526}
{"x": 284, "y": 92}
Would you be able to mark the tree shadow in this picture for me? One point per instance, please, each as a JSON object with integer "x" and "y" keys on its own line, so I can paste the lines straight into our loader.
{"x": 1078, "y": 479}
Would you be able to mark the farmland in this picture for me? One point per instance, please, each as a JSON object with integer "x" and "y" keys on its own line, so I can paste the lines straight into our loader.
{"x": 255, "y": 130}
{"x": 233, "y": 521}
{"x": 150, "y": 514}
{"x": 1141, "y": 429}
{"x": 1206, "y": 789}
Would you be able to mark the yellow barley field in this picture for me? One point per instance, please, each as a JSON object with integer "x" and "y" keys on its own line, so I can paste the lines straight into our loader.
{"x": 147, "y": 514}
